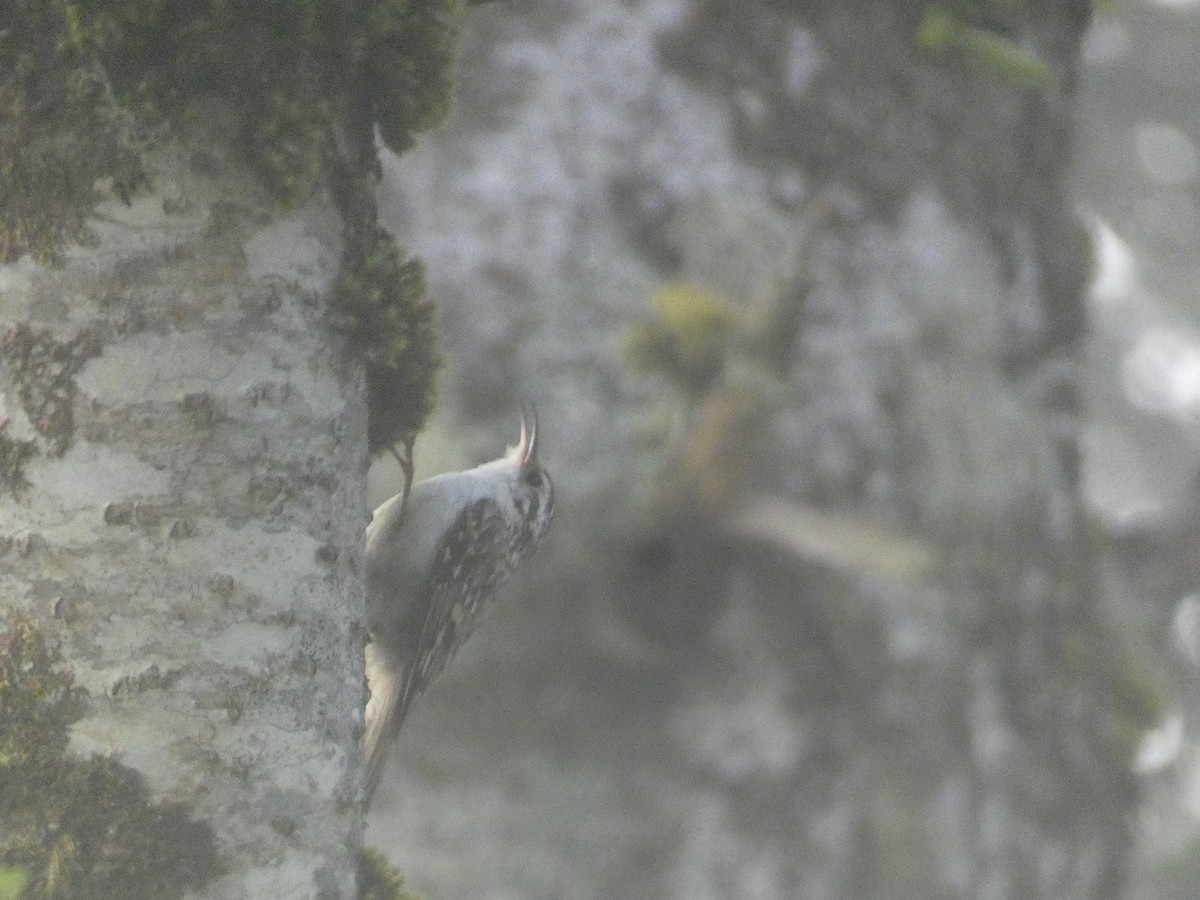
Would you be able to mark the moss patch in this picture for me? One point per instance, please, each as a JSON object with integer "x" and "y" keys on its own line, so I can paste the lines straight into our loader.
{"x": 66, "y": 141}
{"x": 86, "y": 86}
{"x": 79, "y": 828}
{"x": 86, "y": 81}
{"x": 412, "y": 52}
{"x": 382, "y": 304}
{"x": 39, "y": 370}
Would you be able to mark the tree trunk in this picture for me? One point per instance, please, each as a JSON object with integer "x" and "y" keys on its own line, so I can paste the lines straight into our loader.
{"x": 187, "y": 510}
{"x": 987, "y": 741}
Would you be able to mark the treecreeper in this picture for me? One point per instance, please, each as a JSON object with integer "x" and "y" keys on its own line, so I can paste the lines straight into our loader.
{"x": 434, "y": 561}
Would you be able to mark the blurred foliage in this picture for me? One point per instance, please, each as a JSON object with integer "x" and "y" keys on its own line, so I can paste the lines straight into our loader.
{"x": 688, "y": 340}
{"x": 728, "y": 360}
{"x": 1138, "y": 699}
{"x": 731, "y": 364}
{"x": 970, "y": 30}
{"x": 378, "y": 879}
{"x": 12, "y": 881}
{"x": 79, "y": 828}
{"x": 709, "y": 467}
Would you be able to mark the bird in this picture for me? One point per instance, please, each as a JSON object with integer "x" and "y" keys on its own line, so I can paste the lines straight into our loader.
{"x": 435, "y": 557}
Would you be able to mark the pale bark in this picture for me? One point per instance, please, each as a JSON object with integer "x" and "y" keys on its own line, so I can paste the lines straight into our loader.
{"x": 197, "y": 546}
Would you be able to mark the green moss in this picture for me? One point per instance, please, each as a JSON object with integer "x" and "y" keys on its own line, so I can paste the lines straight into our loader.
{"x": 411, "y": 58}
{"x": 37, "y": 704}
{"x": 275, "y": 65}
{"x": 14, "y": 453}
{"x": 89, "y": 76}
{"x": 304, "y": 82}
{"x": 378, "y": 879}
{"x": 381, "y": 303}
{"x": 39, "y": 370}
{"x": 64, "y": 134}
{"x": 79, "y": 828}
{"x": 688, "y": 339}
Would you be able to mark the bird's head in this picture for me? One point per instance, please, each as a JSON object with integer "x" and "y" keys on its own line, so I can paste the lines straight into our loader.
{"x": 531, "y": 490}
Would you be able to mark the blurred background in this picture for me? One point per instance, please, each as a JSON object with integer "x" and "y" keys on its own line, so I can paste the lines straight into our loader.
{"x": 866, "y": 350}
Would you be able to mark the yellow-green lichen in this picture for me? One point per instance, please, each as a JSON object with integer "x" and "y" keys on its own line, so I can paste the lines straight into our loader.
{"x": 378, "y": 879}
{"x": 74, "y": 827}
{"x": 12, "y": 881}
{"x": 687, "y": 341}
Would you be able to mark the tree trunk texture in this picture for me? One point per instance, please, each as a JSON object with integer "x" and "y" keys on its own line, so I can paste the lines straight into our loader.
{"x": 188, "y": 523}
{"x": 942, "y": 350}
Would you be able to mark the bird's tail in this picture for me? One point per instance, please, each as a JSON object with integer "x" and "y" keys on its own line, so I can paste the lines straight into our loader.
{"x": 392, "y": 691}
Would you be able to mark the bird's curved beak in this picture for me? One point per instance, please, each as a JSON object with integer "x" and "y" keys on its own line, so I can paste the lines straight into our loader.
{"x": 526, "y": 449}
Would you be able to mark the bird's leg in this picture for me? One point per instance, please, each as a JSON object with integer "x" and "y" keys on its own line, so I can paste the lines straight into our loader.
{"x": 405, "y": 459}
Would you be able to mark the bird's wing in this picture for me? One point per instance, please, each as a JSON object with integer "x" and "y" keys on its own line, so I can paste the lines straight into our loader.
{"x": 466, "y": 571}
